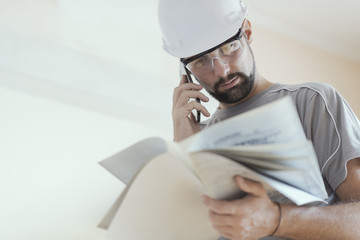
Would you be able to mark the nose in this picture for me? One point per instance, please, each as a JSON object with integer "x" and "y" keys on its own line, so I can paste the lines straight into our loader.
{"x": 221, "y": 67}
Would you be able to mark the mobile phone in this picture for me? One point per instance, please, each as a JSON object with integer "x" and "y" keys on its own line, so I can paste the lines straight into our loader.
{"x": 186, "y": 72}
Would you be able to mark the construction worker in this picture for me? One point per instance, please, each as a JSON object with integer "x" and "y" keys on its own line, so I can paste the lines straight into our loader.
{"x": 212, "y": 40}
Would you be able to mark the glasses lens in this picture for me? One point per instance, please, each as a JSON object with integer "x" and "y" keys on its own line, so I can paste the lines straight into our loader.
{"x": 202, "y": 62}
{"x": 225, "y": 53}
{"x": 229, "y": 48}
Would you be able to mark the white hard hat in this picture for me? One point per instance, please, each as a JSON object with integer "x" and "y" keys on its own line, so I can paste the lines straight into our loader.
{"x": 190, "y": 27}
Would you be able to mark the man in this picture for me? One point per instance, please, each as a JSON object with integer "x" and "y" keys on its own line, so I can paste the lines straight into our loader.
{"x": 212, "y": 39}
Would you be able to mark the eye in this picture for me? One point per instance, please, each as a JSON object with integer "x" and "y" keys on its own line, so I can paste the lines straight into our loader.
{"x": 231, "y": 47}
{"x": 201, "y": 61}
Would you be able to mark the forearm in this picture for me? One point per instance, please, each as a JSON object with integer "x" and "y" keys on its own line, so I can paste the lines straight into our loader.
{"x": 330, "y": 222}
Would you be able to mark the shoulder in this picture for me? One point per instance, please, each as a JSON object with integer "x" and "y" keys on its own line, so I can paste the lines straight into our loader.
{"x": 305, "y": 93}
{"x": 312, "y": 87}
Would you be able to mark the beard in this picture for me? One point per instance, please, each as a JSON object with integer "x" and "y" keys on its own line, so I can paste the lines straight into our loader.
{"x": 236, "y": 93}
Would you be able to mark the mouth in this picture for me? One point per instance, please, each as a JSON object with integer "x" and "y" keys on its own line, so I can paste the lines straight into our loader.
{"x": 231, "y": 83}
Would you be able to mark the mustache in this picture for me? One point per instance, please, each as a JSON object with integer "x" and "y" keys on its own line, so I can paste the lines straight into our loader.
{"x": 229, "y": 77}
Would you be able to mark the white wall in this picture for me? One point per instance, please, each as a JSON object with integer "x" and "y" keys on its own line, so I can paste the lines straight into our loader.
{"x": 72, "y": 93}
{"x": 51, "y": 184}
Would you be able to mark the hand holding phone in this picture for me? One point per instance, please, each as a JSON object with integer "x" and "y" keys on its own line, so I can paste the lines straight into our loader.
{"x": 185, "y": 71}
{"x": 185, "y": 122}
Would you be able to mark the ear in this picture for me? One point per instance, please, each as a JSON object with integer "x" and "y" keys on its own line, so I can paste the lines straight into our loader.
{"x": 246, "y": 26}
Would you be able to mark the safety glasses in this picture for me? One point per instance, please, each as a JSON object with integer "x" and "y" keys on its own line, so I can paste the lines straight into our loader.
{"x": 225, "y": 52}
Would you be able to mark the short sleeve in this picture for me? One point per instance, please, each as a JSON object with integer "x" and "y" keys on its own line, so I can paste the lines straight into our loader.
{"x": 334, "y": 130}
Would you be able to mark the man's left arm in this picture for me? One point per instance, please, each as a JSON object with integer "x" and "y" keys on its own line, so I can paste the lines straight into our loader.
{"x": 256, "y": 216}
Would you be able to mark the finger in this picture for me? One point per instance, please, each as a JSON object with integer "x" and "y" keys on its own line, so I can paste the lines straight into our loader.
{"x": 219, "y": 207}
{"x": 183, "y": 79}
{"x": 220, "y": 219}
{"x": 192, "y": 117}
{"x": 197, "y": 106}
{"x": 185, "y": 87}
{"x": 249, "y": 186}
{"x": 186, "y": 110}
{"x": 185, "y": 96}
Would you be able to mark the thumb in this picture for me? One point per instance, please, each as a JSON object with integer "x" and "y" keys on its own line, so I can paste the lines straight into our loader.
{"x": 250, "y": 186}
{"x": 193, "y": 118}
